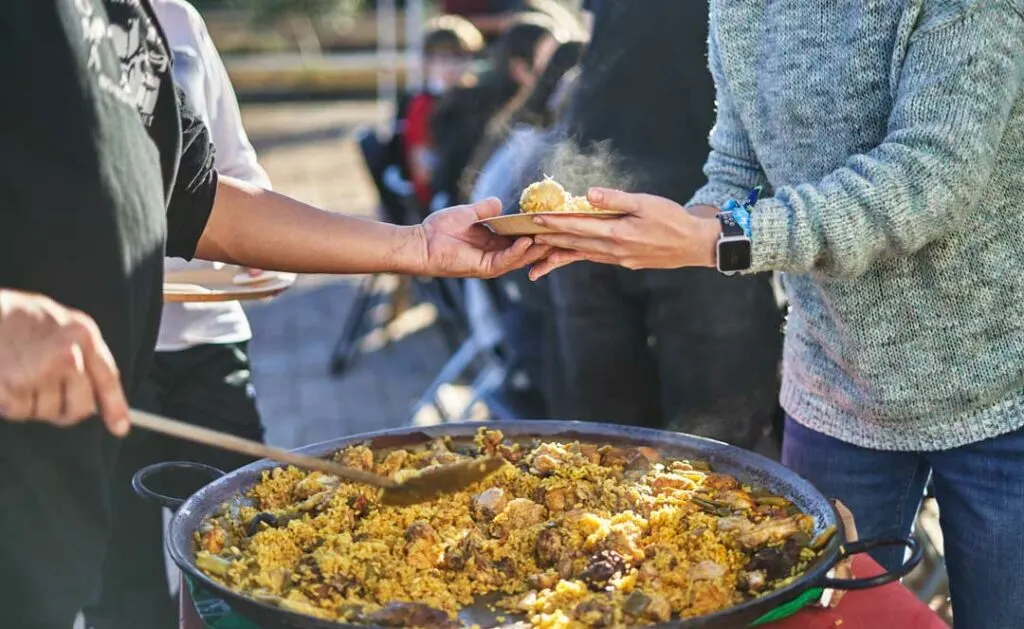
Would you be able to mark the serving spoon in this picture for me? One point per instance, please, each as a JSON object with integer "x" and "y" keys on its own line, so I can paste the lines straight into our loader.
{"x": 422, "y": 487}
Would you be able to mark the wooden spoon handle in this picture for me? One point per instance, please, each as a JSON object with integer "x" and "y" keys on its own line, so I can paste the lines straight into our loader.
{"x": 224, "y": 441}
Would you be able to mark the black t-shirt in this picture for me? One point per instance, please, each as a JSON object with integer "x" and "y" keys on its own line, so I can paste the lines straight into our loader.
{"x": 645, "y": 87}
{"x": 89, "y": 199}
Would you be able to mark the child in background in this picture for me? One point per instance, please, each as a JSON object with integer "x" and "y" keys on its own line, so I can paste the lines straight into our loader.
{"x": 459, "y": 121}
{"x": 449, "y": 47}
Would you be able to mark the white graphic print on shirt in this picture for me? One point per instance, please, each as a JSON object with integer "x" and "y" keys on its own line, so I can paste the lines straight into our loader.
{"x": 138, "y": 60}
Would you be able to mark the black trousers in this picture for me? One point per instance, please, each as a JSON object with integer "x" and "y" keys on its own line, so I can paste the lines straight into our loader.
{"x": 688, "y": 350}
{"x": 207, "y": 385}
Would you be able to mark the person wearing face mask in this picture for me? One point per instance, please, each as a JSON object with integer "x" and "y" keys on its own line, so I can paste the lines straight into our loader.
{"x": 459, "y": 121}
{"x": 449, "y": 46}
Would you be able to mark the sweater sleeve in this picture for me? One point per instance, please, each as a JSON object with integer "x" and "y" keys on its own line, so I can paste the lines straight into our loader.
{"x": 960, "y": 79}
{"x": 732, "y": 168}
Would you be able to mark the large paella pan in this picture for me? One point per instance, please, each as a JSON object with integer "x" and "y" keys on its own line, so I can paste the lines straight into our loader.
{"x": 589, "y": 525}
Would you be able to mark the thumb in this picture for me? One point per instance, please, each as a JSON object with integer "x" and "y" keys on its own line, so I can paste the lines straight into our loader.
{"x": 555, "y": 260}
{"x": 488, "y": 208}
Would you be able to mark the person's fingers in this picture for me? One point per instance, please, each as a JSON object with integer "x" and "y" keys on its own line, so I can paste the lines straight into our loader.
{"x": 591, "y": 227}
{"x": 849, "y": 524}
{"x": 580, "y": 243}
{"x": 844, "y": 569}
{"x": 103, "y": 373}
{"x": 537, "y": 252}
{"x": 61, "y": 360}
{"x": 16, "y": 403}
{"x": 559, "y": 258}
{"x": 532, "y": 255}
{"x": 488, "y": 208}
{"x": 548, "y": 265}
{"x": 513, "y": 257}
{"x": 617, "y": 200}
{"x": 79, "y": 398}
{"x": 495, "y": 242}
{"x": 48, "y": 403}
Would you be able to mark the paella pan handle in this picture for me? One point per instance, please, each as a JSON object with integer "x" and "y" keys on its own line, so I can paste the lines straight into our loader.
{"x": 147, "y": 485}
{"x": 858, "y": 547}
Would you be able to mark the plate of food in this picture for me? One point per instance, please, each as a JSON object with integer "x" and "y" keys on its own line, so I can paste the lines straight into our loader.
{"x": 544, "y": 198}
{"x": 223, "y": 283}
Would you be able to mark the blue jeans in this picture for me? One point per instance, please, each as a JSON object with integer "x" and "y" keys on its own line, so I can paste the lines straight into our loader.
{"x": 980, "y": 491}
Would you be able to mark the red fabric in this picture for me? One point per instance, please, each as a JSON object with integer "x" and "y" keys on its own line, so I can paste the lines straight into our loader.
{"x": 417, "y": 135}
{"x": 888, "y": 607}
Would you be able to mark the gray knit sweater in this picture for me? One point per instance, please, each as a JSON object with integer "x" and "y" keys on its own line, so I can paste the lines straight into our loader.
{"x": 891, "y": 136}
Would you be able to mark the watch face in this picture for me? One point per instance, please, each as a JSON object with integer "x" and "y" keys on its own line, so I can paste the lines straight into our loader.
{"x": 734, "y": 255}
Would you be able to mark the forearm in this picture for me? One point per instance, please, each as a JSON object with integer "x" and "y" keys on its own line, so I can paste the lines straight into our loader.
{"x": 728, "y": 178}
{"x": 258, "y": 228}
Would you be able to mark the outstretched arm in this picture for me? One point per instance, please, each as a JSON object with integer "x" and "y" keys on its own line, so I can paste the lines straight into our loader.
{"x": 223, "y": 219}
{"x": 260, "y": 228}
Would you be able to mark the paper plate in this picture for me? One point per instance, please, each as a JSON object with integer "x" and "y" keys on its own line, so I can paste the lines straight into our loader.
{"x": 227, "y": 283}
{"x": 523, "y": 225}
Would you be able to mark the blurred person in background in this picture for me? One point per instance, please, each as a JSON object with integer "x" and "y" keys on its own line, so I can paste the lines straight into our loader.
{"x": 492, "y": 17}
{"x": 449, "y": 46}
{"x": 511, "y": 312}
{"x": 200, "y": 371}
{"x": 589, "y": 9}
{"x": 516, "y": 131}
{"x": 657, "y": 348}
{"x": 460, "y": 119}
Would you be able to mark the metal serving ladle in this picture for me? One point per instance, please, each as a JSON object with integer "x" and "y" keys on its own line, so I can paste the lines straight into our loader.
{"x": 422, "y": 487}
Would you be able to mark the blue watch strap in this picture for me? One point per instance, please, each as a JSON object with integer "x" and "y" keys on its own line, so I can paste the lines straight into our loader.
{"x": 741, "y": 212}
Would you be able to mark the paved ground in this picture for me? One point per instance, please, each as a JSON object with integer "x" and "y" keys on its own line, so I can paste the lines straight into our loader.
{"x": 308, "y": 150}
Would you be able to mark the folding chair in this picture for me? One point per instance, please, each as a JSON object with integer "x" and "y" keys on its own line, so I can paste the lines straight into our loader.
{"x": 497, "y": 379}
{"x": 398, "y": 205}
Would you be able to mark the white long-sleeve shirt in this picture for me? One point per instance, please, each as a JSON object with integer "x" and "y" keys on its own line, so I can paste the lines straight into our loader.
{"x": 200, "y": 72}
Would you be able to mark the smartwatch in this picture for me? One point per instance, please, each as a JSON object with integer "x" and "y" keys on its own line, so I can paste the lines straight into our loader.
{"x": 733, "y": 246}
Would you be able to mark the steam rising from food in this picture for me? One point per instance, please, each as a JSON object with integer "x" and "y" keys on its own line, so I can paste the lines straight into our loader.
{"x": 580, "y": 168}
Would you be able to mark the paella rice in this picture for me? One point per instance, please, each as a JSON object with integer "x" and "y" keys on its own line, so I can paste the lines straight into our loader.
{"x": 570, "y": 535}
{"x": 547, "y": 195}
